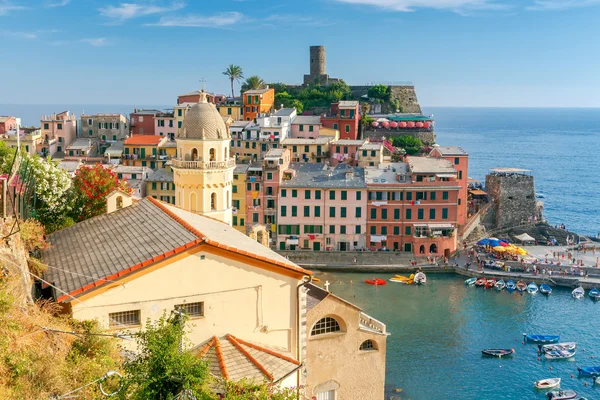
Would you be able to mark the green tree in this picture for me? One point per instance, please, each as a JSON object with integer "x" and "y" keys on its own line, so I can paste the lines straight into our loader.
{"x": 160, "y": 370}
{"x": 380, "y": 92}
{"x": 234, "y": 73}
{"x": 410, "y": 144}
{"x": 7, "y": 155}
{"x": 252, "y": 83}
{"x": 91, "y": 186}
{"x": 298, "y": 105}
{"x": 246, "y": 390}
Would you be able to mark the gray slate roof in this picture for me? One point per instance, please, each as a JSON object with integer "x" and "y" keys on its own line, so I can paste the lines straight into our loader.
{"x": 314, "y": 176}
{"x": 452, "y": 151}
{"x": 314, "y": 295}
{"x": 160, "y": 175}
{"x": 110, "y": 243}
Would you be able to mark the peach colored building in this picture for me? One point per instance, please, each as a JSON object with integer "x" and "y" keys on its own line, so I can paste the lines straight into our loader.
{"x": 58, "y": 132}
{"x": 306, "y": 127}
{"x": 322, "y": 208}
{"x": 460, "y": 160}
{"x": 7, "y": 124}
{"x": 344, "y": 151}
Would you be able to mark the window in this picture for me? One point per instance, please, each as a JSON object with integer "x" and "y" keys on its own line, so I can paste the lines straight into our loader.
{"x": 328, "y": 395}
{"x": 420, "y": 213}
{"x": 125, "y": 318}
{"x": 310, "y": 128}
{"x": 358, "y": 213}
{"x": 46, "y": 126}
{"x": 317, "y": 211}
{"x": 269, "y": 176}
{"x": 307, "y": 194}
{"x": 307, "y": 211}
{"x": 332, "y": 195}
{"x": 283, "y": 192}
{"x": 153, "y": 185}
{"x": 357, "y": 230}
{"x": 337, "y": 149}
{"x": 408, "y": 213}
{"x": 373, "y": 153}
{"x": 364, "y": 153}
{"x": 59, "y": 127}
{"x": 332, "y": 229}
{"x": 367, "y": 345}
{"x": 407, "y": 230}
{"x": 255, "y": 217}
{"x": 456, "y": 160}
{"x": 421, "y": 195}
{"x": 317, "y": 195}
{"x": 332, "y": 212}
{"x": 384, "y": 214}
{"x": 444, "y": 195}
{"x": 432, "y": 196}
{"x": 373, "y": 213}
{"x": 358, "y": 195}
{"x": 408, "y": 196}
{"x": 301, "y": 128}
{"x": 179, "y": 123}
{"x": 343, "y": 212}
{"x": 284, "y": 211}
{"x": 344, "y": 195}
{"x": 192, "y": 309}
{"x": 294, "y": 193}
{"x": 444, "y": 213}
{"x": 325, "y": 325}
{"x": 396, "y": 214}
{"x": 306, "y": 149}
{"x": 335, "y": 126}
{"x": 373, "y": 230}
{"x": 343, "y": 229}
{"x": 294, "y": 211}
{"x": 347, "y": 128}
{"x": 234, "y": 189}
{"x": 432, "y": 213}
{"x": 90, "y": 132}
{"x": 459, "y": 174}
{"x": 396, "y": 230}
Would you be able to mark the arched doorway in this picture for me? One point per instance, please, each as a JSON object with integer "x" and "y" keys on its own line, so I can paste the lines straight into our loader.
{"x": 433, "y": 248}
{"x": 422, "y": 249}
{"x": 212, "y": 154}
{"x": 194, "y": 155}
{"x": 213, "y": 202}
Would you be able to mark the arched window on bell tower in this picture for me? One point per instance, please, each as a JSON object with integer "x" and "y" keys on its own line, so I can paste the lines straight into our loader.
{"x": 213, "y": 154}
{"x": 213, "y": 202}
{"x": 194, "y": 155}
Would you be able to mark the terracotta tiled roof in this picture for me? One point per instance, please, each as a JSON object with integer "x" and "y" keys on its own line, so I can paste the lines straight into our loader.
{"x": 232, "y": 358}
{"x": 143, "y": 140}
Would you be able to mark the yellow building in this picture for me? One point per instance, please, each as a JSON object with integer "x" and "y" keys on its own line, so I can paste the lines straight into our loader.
{"x": 373, "y": 154}
{"x": 159, "y": 185}
{"x": 203, "y": 168}
{"x": 148, "y": 151}
{"x": 308, "y": 150}
{"x": 232, "y": 108}
{"x": 239, "y": 197}
{"x": 334, "y": 134}
{"x": 159, "y": 258}
{"x": 30, "y": 140}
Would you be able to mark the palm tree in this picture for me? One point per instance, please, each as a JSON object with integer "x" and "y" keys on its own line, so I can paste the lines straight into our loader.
{"x": 253, "y": 82}
{"x": 234, "y": 72}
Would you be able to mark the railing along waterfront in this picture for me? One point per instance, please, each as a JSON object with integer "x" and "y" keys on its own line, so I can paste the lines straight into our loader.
{"x": 203, "y": 164}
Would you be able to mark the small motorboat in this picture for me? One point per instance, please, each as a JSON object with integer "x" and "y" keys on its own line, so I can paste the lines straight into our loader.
{"x": 545, "y": 289}
{"x": 498, "y": 352}
{"x": 541, "y": 338}
{"x": 471, "y": 281}
{"x": 595, "y": 294}
{"x": 376, "y": 282}
{"x": 500, "y": 285}
{"x": 420, "y": 278}
{"x": 562, "y": 394}
{"x": 521, "y": 286}
{"x": 589, "y": 371}
{"x": 560, "y": 354}
{"x": 549, "y": 383}
{"x": 490, "y": 283}
{"x": 511, "y": 285}
{"x": 557, "y": 347}
{"x": 532, "y": 288}
{"x": 578, "y": 293}
{"x": 480, "y": 282}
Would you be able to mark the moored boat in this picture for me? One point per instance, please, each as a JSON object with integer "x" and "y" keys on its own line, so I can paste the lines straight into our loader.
{"x": 560, "y": 354}
{"x": 562, "y": 394}
{"x": 545, "y": 289}
{"x": 471, "y": 281}
{"x": 490, "y": 283}
{"x": 549, "y": 383}
{"x": 500, "y": 285}
{"x": 532, "y": 288}
{"x": 498, "y": 352}
{"x": 589, "y": 371}
{"x": 595, "y": 294}
{"x": 541, "y": 338}
{"x": 511, "y": 285}
{"x": 480, "y": 282}
{"x": 578, "y": 293}
{"x": 521, "y": 286}
{"x": 400, "y": 279}
{"x": 420, "y": 278}
{"x": 557, "y": 346}
{"x": 376, "y": 282}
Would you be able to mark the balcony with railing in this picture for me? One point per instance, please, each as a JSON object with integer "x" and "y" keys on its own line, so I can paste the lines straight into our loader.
{"x": 370, "y": 323}
{"x": 204, "y": 165}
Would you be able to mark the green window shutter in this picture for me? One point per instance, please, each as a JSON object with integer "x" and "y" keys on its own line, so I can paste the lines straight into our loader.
{"x": 294, "y": 211}
{"x": 432, "y": 213}
{"x": 384, "y": 230}
{"x": 420, "y": 213}
{"x": 432, "y": 196}
{"x": 444, "y": 196}
{"x": 179, "y": 112}
{"x": 307, "y": 194}
{"x": 153, "y": 185}
{"x": 396, "y": 214}
{"x": 408, "y": 213}
{"x": 294, "y": 193}
{"x": 234, "y": 189}
{"x": 335, "y": 126}
{"x": 373, "y": 230}
{"x": 179, "y": 124}
{"x": 358, "y": 195}
{"x": 396, "y": 230}
{"x": 331, "y": 228}
{"x": 317, "y": 211}
{"x": 301, "y": 128}
{"x": 373, "y": 213}
{"x": 357, "y": 230}
{"x": 407, "y": 230}
{"x": 234, "y": 221}
{"x": 143, "y": 163}
{"x": 90, "y": 132}
{"x": 332, "y": 212}
{"x": 384, "y": 214}
{"x": 343, "y": 212}
{"x": 173, "y": 186}
{"x": 126, "y": 150}
{"x": 347, "y": 128}
{"x": 344, "y": 195}
{"x": 409, "y": 196}
{"x": 317, "y": 195}
{"x": 358, "y": 212}
{"x": 283, "y": 211}
{"x": 307, "y": 211}
{"x": 283, "y": 192}
{"x": 154, "y": 151}
{"x": 332, "y": 195}
{"x": 310, "y": 128}
{"x": 444, "y": 213}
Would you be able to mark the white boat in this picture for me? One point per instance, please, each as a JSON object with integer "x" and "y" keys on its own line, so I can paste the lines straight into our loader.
{"x": 578, "y": 293}
{"x": 471, "y": 281}
{"x": 560, "y": 354}
{"x": 500, "y": 285}
{"x": 420, "y": 278}
{"x": 532, "y": 288}
{"x": 549, "y": 383}
{"x": 558, "y": 346}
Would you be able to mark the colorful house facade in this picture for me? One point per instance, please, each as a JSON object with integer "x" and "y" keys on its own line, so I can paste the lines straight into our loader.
{"x": 460, "y": 160}
{"x": 306, "y": 127}
{"x": 148, "y": 151}
{"x": 7, "y": 123}
{"x": 258, "y": 101}
{"x": 308, "y": 150}
{"x": 141, "y": 122}
{"x": 238, "y": 193}
{"x": 58, "y": 132}
{"x": 345, "y": 117}
{"x": 160, "y": 185}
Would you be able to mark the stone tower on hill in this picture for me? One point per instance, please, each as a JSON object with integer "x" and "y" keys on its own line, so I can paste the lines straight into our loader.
{"x": 203, "y": 170}
{"x": 318, "y": 67}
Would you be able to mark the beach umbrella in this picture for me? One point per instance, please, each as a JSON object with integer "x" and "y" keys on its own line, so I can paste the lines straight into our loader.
{"x": 495, "y": 243}
{"x": 410, "y": 124}
{"x": 426, "y": 125}
{"x": 375, "y": 124}
{"x": 394, "y": 124}
{"x": 419, "y": 124}
{"x": 499, "y": 249}
{"x": 386, "y": 124}
{"x": 504, "y": 244}
{"x": 493, "y": 239}
{"x": 402, "y": 124}
{"x": 483, "y": 242}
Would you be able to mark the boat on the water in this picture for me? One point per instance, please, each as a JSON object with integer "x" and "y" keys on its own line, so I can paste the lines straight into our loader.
{"x": 562, "y": 394}
{"x": 480, "y": 282}
{"x": 420, "y": 278}
{"x": 521, "y": 286}
{"x": 541, "y": 338}
{"x": 498, "y": 352}
{"x": 401, "y": 279}
{"x": 500, "y": 285}
{"x": 532, "y": 288}
{"x": 511, "y": 285}
{"x": 471, "y": 281}
{"x": 545, "y": 289}
{"x": 376, "y": 282}
{"x": 549, "y": 383}
{"x": 589, "y": 371}
{"x": 560, "y": 354}
{"x": 557, "y": 346}
{"x": 578, "y": 293}
{"x": 490, "y": 283}
{"x": 595, "y": 294}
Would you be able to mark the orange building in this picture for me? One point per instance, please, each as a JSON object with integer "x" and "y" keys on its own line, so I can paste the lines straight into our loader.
{"x": 258, "y": 101}
{"x": 459, "y": 159}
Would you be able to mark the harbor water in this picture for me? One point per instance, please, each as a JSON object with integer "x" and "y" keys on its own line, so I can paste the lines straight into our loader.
{"x": 439, "y": 329}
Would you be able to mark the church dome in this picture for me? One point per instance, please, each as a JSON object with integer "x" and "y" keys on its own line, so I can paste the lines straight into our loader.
{"x": 202, "y": 121}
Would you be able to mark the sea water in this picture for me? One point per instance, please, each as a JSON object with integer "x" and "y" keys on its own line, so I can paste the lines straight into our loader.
{"x": 437, "y": 332}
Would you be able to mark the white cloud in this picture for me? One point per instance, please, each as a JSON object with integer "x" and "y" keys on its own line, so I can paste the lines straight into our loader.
{"x": 553, "y": 5}
{"x": 125, "y": 11}
{"x": 7, "y": 6}
{"x": 458, "y": 6}
{"x": 96, "y": 42}
{"x": 60, "y": 3}
{"x": 19, "y": 35}
{"x": 293, "y": 19}
{"x": 201, "y": 21}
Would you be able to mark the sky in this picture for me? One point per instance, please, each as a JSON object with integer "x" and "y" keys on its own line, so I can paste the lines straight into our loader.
{"x": 489, "y": 53}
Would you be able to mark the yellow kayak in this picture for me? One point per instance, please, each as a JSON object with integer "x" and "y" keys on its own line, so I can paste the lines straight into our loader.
{"x": 315, "y": 279}
{"x": 402, "y": 279}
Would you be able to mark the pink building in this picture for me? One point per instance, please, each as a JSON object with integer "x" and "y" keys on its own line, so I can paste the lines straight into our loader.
{"x": 345, "y": 151}
{"x": 7, "y": 124}
{"x": 306, "y": 127}
{"x": 165, "y": 124}
{"x": 345, "y": 117}
{"x": 58, "y": 132}
{"x": 322, "y": 208}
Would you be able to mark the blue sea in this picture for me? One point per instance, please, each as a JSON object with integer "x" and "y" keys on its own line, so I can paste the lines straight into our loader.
{"x": 559, "y": 146}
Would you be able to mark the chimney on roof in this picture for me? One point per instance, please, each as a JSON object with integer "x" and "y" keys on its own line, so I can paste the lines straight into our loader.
{"x": 349, "y": 175}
